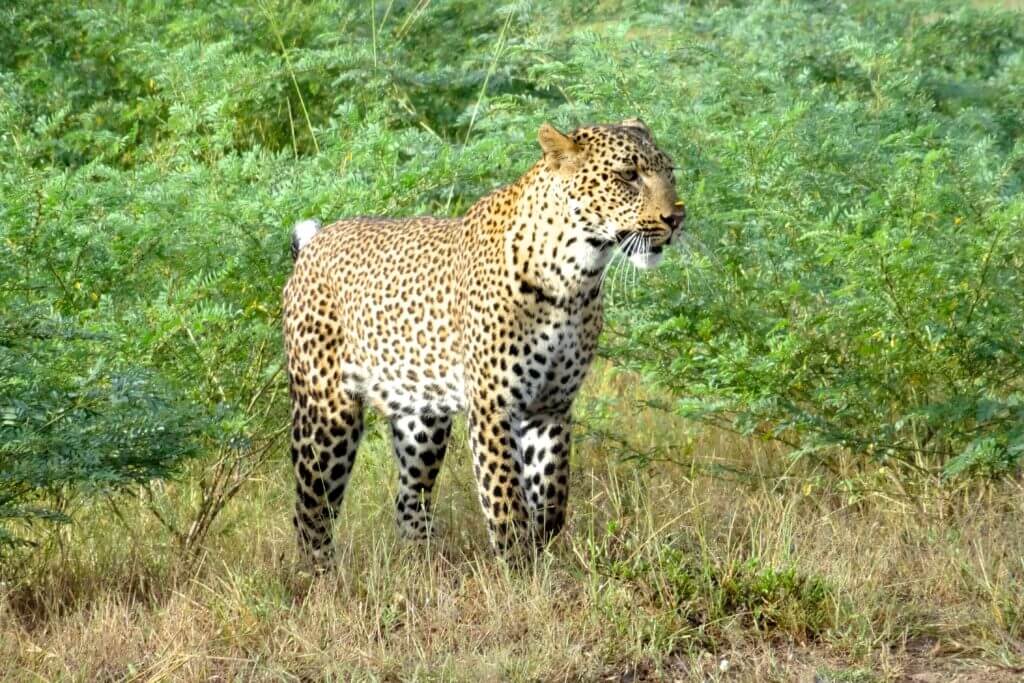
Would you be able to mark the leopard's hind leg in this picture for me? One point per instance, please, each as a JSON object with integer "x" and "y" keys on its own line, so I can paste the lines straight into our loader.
{"x": 326, "y": 428}
{"x": 420, "y": 443}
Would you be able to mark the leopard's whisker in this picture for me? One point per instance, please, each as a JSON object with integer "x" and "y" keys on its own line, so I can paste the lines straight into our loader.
{"x": 616, "y": 254}
{"x": 629, "y": 247}
{"x": 613, "y": 270}
{"x": 617, "y": 264}
{"x": 696, "y": 246}
{"x": 644, "y": 248}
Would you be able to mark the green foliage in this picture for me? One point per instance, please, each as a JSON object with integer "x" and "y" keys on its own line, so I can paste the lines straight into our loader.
{"x": 853, "y": 173}
{"x": 858, "y": 235}
{"x": 70, "y": 423}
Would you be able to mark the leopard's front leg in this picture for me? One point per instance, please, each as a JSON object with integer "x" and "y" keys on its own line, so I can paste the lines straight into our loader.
{"x": 544, "y": 442}
{"x": 499, "y": 475}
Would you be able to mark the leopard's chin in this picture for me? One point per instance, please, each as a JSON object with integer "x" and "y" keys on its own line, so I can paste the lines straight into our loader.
{"x": 645, "y": 260}
{"x": 641, "y": 254}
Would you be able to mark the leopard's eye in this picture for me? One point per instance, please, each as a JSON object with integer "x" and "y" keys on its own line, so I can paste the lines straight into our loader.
{"x": 629, "y": 176}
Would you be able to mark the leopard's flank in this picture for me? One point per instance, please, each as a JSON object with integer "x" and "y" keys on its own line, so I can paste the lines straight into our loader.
{"x": 496, "y": 313}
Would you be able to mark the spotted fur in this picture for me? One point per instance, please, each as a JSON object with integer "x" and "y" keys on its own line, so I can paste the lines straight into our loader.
{"x": 496, "y": 313}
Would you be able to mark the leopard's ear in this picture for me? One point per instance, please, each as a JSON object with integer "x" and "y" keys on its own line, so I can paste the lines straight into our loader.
{"x": 559, "y": 149}
{"x": 638, "y": 125}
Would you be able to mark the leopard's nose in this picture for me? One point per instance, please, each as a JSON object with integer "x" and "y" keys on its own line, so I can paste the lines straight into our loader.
{"x": 676, "y": 218}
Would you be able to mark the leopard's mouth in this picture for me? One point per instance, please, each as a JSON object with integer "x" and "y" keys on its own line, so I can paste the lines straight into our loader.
{"x": 658, "y": 235}
{"x": 643, "y": 247}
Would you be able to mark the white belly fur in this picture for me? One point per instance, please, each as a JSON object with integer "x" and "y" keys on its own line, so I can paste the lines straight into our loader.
{"x": 392, "y": 392}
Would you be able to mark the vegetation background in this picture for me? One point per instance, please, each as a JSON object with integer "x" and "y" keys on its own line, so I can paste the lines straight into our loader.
{"x": 800, "y": 458}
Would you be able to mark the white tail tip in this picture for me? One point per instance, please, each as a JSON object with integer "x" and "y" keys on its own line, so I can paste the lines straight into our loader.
{"x": 302, "y": 233}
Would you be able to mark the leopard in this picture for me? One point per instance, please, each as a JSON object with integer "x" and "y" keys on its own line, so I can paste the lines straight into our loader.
{"x": 494, "y": 314}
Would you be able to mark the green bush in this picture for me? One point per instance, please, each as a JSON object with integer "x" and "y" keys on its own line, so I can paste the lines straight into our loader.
{"x": 857, "y": 217}
{"x": 70, "y": 424}
{"x": 853, "y": 173}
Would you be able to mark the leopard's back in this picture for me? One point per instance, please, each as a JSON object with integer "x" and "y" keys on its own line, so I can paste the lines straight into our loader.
{"x": 373, "y": 307}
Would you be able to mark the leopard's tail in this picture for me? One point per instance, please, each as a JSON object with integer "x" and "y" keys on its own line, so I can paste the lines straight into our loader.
{"x": 302, "y": 233}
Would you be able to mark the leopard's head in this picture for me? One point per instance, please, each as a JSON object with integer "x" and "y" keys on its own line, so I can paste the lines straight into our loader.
{"x": 618, "y": 186}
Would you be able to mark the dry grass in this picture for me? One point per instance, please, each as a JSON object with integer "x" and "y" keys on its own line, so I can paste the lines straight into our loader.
{"x": 783, "y": 570}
